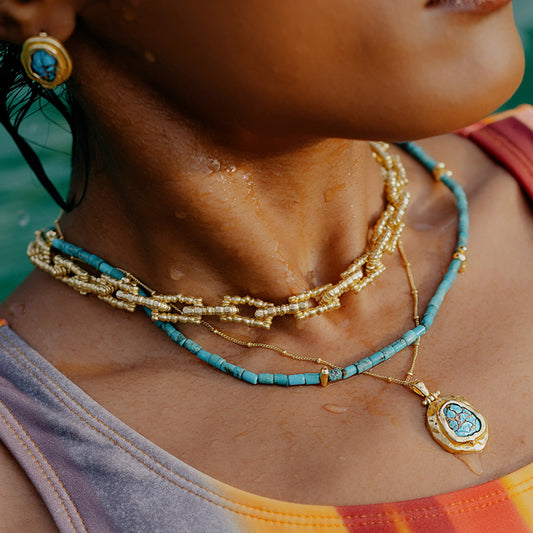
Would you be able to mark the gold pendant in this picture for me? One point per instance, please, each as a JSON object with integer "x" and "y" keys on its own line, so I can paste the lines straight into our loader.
{"x": 453, "y": 422}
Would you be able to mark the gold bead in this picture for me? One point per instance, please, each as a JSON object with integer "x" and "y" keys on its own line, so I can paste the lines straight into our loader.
{"x": 324, "y": 376}
{"x": 439, "y": 171}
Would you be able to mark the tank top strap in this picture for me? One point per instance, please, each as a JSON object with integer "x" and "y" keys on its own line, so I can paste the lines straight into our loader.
{"x": 508, "y": 138}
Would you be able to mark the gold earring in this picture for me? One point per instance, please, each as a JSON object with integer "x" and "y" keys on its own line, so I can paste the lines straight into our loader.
{"x": 46, "y": 61}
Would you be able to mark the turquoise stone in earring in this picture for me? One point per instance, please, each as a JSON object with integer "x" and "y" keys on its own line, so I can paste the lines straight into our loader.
{"x": 44, "y": 65}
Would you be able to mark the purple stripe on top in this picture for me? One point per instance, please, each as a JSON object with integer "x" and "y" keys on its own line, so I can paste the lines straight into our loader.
{"x": 93, "y": 472}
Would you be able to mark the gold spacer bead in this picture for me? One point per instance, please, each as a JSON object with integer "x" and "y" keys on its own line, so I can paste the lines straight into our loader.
{"x": 439, "y": 171}
{"x": 324, "y": 376}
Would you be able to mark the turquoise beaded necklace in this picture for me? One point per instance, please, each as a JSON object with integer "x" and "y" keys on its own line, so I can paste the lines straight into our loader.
{"x": 447, "y": 417}
{"x": 335, "y": 374}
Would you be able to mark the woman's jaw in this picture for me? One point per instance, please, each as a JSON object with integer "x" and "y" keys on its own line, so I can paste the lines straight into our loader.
{"x": 386, "y": 69}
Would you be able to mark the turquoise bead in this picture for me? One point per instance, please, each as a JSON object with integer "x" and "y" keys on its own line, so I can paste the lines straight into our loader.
{"x": 312, "y": 378}
{"x": 409, "y": 337}
{"x": 191, "y": 346}
{"x": 178, "y": 337}
{"x": 266, "y": 379}
{"x": 84, "y": 256}
{"x": 281, "y": 379}
{"x": 296, "y": 379}
{"x": 377, "y": 357}
{"x": 432, "y": 309}
{"x": 63, "y": 246}
{"x": 419, "y": 330}
{"x": 227, "y": 368}
{"x": 97, "y": 262}
{"x": 398, "y": 345}
{"x": 216, "y": 360}
{"x": 364, "y": 364}
{"x": 249, "y": 377}
{"x": 427, "y": 321}
{"x": 237, "y": 371}
{"x": 110, "y": 271}
{"x": 335, "y": 374}
{"x": 350, "y": 371}
{"x": 388, "y": 351}
{"x": 204, "y": 355}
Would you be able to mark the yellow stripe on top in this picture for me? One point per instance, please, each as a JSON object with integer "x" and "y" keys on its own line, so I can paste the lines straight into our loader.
{"x": 258, "y": 514}
{"x": 519, "y": 486}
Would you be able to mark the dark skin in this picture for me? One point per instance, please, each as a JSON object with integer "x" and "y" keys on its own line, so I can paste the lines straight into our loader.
{"x": 293, "y": 213}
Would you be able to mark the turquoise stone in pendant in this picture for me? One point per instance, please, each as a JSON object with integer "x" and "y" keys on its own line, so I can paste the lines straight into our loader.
{"x": 453, "y": 422}
{"x": 460, "y": 420}
{"x": 44, "y": 65}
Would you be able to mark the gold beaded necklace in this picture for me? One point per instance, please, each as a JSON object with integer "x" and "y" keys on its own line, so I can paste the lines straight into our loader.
{"x": 184, "y": 309}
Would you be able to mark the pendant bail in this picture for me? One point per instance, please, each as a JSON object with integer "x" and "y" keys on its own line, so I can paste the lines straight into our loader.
{"x": 419, "y": 387}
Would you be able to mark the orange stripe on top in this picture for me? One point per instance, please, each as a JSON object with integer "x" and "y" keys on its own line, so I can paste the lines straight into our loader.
{"x": 488, "y": 507}
{"x": 504, "y": 505}
{"x": 414, "y": 516}
{"x": 3, "y": 322}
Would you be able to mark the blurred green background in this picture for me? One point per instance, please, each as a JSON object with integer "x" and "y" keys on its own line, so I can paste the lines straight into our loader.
{"x": 25, "y": 206}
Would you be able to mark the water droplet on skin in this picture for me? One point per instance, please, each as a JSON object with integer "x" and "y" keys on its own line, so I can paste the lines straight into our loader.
{"x": 336, "y": 409}
{"x": 175, "y": 273}
{"x": 422, "y": 226}
{"x": 213, "y": 165}
{"x": 128, "y": 14}
{"x": 231, "y": 169}
{"x": 23, "y": 218}
{"x": 149, "y": 56}
{"x": 473, "y": 461}
{"x": 17, "y": 309}
{"x": 334, "y": 191}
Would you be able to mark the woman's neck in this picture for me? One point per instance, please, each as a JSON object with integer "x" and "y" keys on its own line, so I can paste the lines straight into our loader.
{"x": 186, "y": 214}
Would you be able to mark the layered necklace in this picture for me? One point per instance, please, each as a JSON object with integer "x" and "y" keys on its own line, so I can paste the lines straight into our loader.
{"x": 452, "y": 421}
